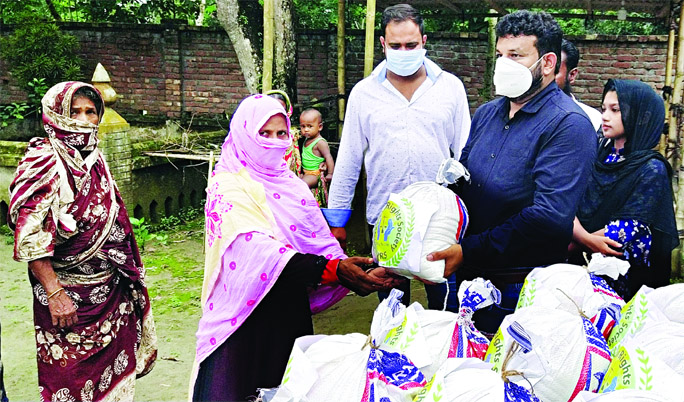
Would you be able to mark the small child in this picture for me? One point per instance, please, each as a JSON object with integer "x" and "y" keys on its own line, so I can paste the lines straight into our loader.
{"x": 315, "y": 149}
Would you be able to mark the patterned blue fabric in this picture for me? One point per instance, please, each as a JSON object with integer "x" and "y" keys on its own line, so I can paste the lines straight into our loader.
{"x": 616, "y": 155}
{"x": 634, "y": 236}
{"x": 518, "y": 393}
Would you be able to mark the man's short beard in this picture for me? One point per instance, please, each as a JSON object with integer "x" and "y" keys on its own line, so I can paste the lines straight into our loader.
{"x": 568, "y": 86}
{"x": 537, "y": 78}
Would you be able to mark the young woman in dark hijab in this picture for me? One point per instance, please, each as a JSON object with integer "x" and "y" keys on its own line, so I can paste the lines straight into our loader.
{"x": 627, "y": 210}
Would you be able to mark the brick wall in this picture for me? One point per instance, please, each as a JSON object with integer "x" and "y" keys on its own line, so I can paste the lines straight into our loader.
{"x": 172, "y": 72}
{"x": 627, "y": 57}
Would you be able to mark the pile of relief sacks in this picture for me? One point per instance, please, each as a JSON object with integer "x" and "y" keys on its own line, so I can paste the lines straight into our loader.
{"x": 571, "y": 337}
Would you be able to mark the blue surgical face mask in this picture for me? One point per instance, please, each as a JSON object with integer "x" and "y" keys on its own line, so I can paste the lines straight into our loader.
{"x": 404, "y": 62}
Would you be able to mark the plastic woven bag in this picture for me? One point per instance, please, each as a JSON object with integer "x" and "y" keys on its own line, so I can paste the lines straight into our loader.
{"x": 423, "y": 218}
{"x": 663, "y": 340}
{"x": 349, "y": 367}
{"x": 430, "y": 337}
{"x": 558, "y": 355}
{"x": 634, "y": 368}
{"x": 466, "y": 340}
{"x": 641, "y": 311}
{"x": 569, "y": 287}
{"x": 623, "y": 395}
{"x": 463, "y": 380}
{"x": 670, "y": 301}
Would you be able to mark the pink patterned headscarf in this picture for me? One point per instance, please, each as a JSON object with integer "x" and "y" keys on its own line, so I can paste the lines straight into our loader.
{"x": 252, "y": 179}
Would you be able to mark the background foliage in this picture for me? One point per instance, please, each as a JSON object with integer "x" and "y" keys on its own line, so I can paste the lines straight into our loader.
{"x": 38, "y": 49}
{"x": 318, "y": 14}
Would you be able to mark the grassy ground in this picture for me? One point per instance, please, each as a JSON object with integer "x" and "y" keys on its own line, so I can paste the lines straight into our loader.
{"x": 174, "y": 279}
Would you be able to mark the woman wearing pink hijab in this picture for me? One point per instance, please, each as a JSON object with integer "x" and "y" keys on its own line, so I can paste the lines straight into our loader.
{"x": 271, "y": 260}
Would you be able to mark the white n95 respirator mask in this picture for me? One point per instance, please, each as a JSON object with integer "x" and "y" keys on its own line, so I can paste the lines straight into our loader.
{"x": 512, "y": 79}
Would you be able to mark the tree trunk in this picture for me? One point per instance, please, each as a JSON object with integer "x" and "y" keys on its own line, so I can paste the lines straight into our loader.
{"x": 200, "y": 15}
{"x": 285, "y": 74}
{"x": 227, "y": 12}
{"x": 53, "y": 10}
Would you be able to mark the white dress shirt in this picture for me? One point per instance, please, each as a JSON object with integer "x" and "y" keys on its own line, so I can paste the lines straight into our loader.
{"x": 400, "y": 141}
{"x": 594, "y": 115}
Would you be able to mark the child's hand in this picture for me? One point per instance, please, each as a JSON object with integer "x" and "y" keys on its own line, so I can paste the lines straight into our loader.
{"x": 328, "y": 177}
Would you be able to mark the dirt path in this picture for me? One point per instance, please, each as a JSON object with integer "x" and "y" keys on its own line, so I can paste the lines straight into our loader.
{"x": 174, "y": 282}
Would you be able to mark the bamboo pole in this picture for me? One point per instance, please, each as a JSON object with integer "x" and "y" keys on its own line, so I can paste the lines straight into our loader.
{"x": 269, "y": 30}
{"x": 668, "y": 142}
{"x": 370, "y": 38}
{"x": 341, "y": 76}
{"x": 676, "y": 121}
{"x": 491, "y": 58}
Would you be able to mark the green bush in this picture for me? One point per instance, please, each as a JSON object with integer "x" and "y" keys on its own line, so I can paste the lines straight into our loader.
{"x": 21, "y": 110}
{"x": 13, "y": 111}
{"x": 38, "y": 49}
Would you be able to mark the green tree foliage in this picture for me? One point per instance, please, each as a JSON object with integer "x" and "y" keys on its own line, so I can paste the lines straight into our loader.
{"x": 38, "y": 49}
{"x": 126, "y": 11}
{"x": 137, "y": 11}
{"x": 322, "y": 14}
{"x": 596, "y": 25}
{"x": 310, "y": 14}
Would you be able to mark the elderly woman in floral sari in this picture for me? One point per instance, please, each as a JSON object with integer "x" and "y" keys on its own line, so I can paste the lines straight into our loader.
{"x": 93, "y": 323}
{"x": 271, "y": 260}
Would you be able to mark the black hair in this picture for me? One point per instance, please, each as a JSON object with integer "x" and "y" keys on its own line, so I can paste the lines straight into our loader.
{"x": 542, "y": 25}
{"x": 86, "y": 92}
{"x": 571, "y": 53}
{"x": 281, "y": 96}
{"x": 610, "y": 86}
{"x": 312, "y": 109}
{"x": 401, "y": 13}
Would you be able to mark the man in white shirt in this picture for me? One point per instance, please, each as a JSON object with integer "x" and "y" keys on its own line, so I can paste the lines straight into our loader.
{"x": 401, "y": 122}
{"x": 566, "y": 76}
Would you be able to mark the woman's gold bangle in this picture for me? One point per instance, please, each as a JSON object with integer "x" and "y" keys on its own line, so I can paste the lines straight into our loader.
{"x": 54, "y": 293}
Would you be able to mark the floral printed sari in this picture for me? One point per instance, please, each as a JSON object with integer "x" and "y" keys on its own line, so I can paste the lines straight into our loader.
{"x": 67, "y": 207}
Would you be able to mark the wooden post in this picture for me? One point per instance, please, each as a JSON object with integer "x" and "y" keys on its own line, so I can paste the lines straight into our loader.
{"x": 668, "y": 142}
{"x": 491, "y": 59}
{"x": 370, "y": 38}
{"x": 340, "y": 67}
{"x": 269, "y": 29}
{"x": 674, "y": 131}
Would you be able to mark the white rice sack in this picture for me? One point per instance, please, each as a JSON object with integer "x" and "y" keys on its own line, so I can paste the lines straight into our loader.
{"x": 670, "y": 300}
{"x": 567, "y": 287}
{"x": 637, "y": 314}
{"x": 556, "y": 352}
{"x": 302, "y": 371}
{"x": 463, "y": 380}
{"x": 466, "y": 340}
{"x": 665, "y": 341}
{"x": 634, "y": 368}
{"x": 423, "y": 218}
{"x": 429, "y": 337}
{"x": 396, "y": 328}
{"x": 623, "y": 395}
{"x": 348, "y": 367}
